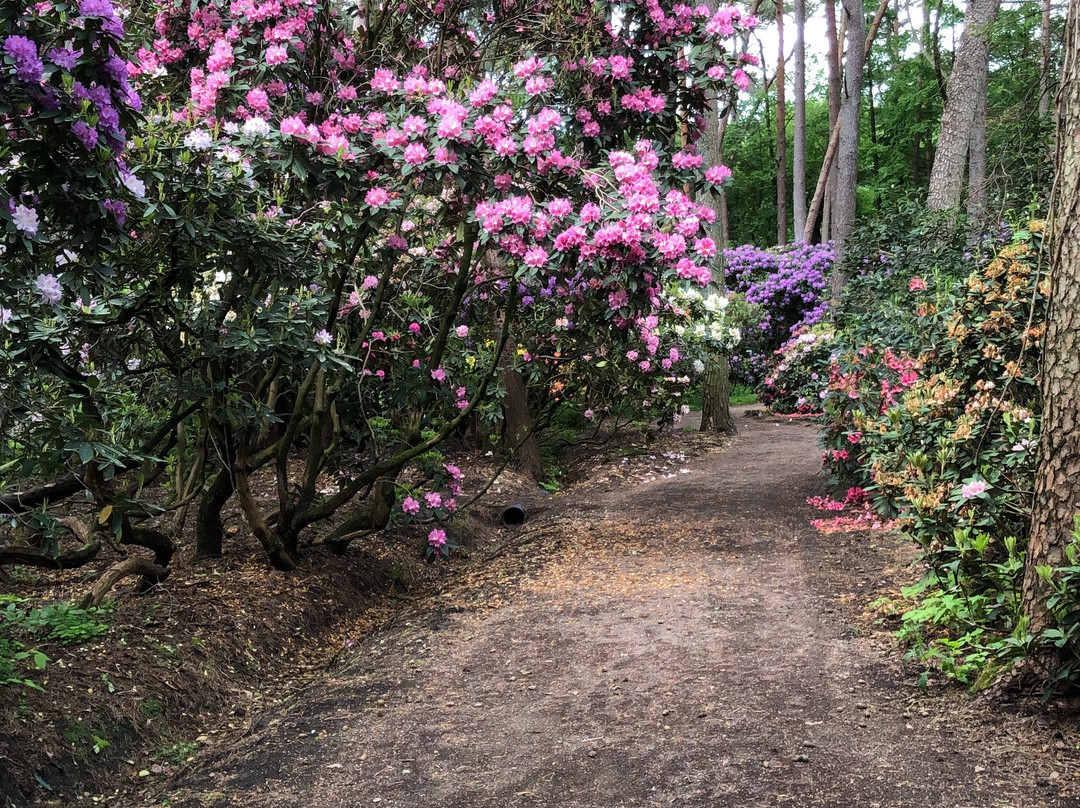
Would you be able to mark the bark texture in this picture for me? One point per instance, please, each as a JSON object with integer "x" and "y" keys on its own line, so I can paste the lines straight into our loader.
{"x": 209, "y": 530}
{"x": 847, "y": 154}
{"x": 116, "y": 573}
{"x": 716, "y": 397}
{"x": 798, "y": 141}
{"x": 962, "y": 98}
{"x": 1057, "y": 482}
{"x": 517, "y": 422}
{"x": 781, "y": 133}
{"x": 977, "y": 179}
{"x": 818, "y": 206}
{"x": 1044, "y": 61}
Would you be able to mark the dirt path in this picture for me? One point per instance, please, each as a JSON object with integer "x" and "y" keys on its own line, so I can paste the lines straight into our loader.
{"x": 691, "y": 642}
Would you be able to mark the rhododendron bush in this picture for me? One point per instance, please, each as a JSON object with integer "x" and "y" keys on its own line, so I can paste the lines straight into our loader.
{"x": 309, "y": 250}
{"x": 941, "y": 430}
{"x": 789, "y": 285}
{"x": 795, "y": 384}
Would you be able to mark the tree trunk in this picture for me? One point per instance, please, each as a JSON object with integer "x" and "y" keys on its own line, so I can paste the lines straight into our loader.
{"x": 716, "y": 396}
{"x": 209, "y": 531}
{"x": 517, "y": 423}
{"x": 1044, "y": 62}
{"x": 781, "y": 133}
{"x": 1057, "y": 495}
{"x": 847, "y": 154}
{"x": 820, "y": 204}
{"x": 798, "y": 145}
{"x": 833, "y": 78}
{"x": 872, "y": 122}
{"x": 969, "y": 74}
{"x": 116, "y": 573}
{"x": 716, "y": 399}
{"x": 976, "y": 200}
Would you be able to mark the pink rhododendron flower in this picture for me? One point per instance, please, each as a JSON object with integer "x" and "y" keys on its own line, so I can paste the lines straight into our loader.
{"x": 536, "y": 257}
{"x": 973, "y": 488}
{"x": 276, "y": 55}
{"x": 717, "y": 174}
{"x": 411, "y": 506}
{"x": 376, "y": 198}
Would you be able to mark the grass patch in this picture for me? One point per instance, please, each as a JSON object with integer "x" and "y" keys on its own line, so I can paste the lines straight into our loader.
{"x": 743, "y": 394}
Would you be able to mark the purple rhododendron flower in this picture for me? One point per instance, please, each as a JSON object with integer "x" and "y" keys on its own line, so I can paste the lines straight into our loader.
{"x": 64, "y": 58}
{"x": 117, "y": 208}
{"x": 23, "y": 51}
{"x": 96, "y": 8}
{"x": 87, "y": 135}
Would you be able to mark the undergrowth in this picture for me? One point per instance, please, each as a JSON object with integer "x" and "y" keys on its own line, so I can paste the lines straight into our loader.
{"x": 23, "y": 628}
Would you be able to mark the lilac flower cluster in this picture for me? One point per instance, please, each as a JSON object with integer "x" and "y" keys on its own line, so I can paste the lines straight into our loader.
{"x": 788, "y": 283}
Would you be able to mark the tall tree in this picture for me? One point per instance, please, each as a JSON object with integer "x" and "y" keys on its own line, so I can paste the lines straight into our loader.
{"x": 976, "y": 198}
{"x": 833, "y": 78}
{"x": 1044, "y": 61}
{"x": 798, "y": 140}
{"x": 966, "y": 86}
{"x": 716, "y": 379}
{"x": 1057, "y": 495}
{"x": 817, "y": 211}
{"x": 781, "y": 132}
{"x": 847, "y": 159}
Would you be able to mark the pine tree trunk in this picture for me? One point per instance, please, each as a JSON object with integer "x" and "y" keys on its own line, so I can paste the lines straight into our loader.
{"x": 798, "y": 145}
{"x": 1057, "y": 495}
{"x": 962, "y": 95}
{"x": 820, "y": 207}
{"x": 847, "y": 155}
{"x": 976, "y": 200}
{"x": 834, "y": 82}
{"x": 781, "y": 133}
{"x": 716, "y": 396}
{"x": 1045, "y": 67}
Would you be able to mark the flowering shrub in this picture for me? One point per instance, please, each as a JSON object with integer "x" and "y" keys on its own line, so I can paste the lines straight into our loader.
{"x": 945, "y": 438}
{"x": 789, "y": 285}
{"x": 932, "y": 408}
{"x": 796, "y": 381}
{"x": 344, "y": 222}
